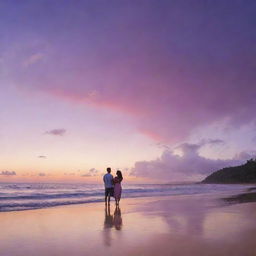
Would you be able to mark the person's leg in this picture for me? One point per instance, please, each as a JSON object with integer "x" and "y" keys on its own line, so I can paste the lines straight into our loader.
{"x": 106, "y": 195}
{"x": 119, "y": 197}
{"x": 115, "y": 195}
{"x": 108, "y": 198}
{"x": 109, "y": 195}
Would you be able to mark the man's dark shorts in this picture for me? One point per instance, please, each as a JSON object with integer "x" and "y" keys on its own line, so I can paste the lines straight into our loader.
{"x": 109, "y": 191}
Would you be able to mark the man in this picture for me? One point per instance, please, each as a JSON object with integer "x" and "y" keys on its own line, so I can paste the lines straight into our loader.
{"x": 109, "y": 185}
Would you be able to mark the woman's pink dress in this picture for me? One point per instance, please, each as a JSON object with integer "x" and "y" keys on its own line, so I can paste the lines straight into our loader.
{"x": 117, "y": 189}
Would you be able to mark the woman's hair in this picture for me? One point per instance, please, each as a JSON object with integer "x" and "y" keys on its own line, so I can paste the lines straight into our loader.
{"x": 119, "y": 175}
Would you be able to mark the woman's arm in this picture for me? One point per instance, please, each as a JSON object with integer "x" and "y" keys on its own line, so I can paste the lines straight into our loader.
{"x": 115, "y": 180}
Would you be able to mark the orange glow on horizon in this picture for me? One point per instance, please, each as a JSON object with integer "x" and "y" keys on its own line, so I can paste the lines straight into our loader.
{"x": 68, "y": 179}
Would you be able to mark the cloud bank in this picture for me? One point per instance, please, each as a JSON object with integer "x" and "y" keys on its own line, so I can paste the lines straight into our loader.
{"x": 8, "y": 173}
{"x": 189, "y": 166}
{"x": 92, "y": 172}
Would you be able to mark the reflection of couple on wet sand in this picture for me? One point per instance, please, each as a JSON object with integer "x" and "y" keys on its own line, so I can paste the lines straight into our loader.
{"x": 110, "y": 222}
{"x": 113, "y": 221}
{"x": 113, "y": 186}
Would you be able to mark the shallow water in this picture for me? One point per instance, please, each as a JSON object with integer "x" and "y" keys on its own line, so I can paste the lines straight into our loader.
{"x": 24, "y": 196}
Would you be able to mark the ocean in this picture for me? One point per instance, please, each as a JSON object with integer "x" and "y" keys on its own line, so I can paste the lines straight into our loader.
{"x": 25, "y": 196}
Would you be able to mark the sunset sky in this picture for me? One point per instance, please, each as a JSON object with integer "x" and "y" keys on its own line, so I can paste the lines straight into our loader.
{"x": 163, "y": 90}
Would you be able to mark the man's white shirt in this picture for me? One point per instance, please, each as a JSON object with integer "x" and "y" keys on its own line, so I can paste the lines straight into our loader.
{"x": 108, "y": 180}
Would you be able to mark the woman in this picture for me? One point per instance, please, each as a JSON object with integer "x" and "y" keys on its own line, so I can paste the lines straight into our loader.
{"x": 117, "y": 186}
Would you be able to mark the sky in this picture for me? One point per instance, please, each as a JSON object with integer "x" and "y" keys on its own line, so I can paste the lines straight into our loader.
{"x": 163, "y": 90}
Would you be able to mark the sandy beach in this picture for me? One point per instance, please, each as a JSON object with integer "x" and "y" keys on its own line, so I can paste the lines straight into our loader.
{"x": 177, "y": 225}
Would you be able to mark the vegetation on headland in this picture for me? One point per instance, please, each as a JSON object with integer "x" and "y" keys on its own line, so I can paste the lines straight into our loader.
{"x": 245, "y": 173}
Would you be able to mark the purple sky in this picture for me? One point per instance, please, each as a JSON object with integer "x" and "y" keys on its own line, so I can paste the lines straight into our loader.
{"x": 88, "y": 84}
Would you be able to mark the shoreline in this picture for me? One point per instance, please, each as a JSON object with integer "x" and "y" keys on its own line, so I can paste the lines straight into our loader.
{"x": 227, "y": 195}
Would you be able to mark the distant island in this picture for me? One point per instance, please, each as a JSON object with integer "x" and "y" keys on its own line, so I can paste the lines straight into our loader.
{"x": 245, "y": 173}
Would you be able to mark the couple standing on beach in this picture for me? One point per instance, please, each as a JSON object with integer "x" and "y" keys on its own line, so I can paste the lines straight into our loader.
{"x": 113, "y": 186}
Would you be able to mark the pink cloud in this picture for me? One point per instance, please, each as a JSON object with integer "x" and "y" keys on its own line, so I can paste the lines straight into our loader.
{"x": 166, "y": 103}
{"x": 172, "y": 67}
{"x": 151, "y": 134}
{"x": 171, "y": 113}
{"x": 92, "y": 98}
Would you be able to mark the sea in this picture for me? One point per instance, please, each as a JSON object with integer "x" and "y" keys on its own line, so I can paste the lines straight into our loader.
{"x": 26, "y": 196}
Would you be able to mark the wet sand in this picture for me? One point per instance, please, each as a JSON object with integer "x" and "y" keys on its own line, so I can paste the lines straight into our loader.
{"x": 178, "y": 225}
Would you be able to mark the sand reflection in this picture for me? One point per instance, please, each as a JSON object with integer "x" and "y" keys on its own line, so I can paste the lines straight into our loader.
{"x": 111, "y": 221}
{"x": 182, "y": 216}
{"x": 118, "y": 222}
